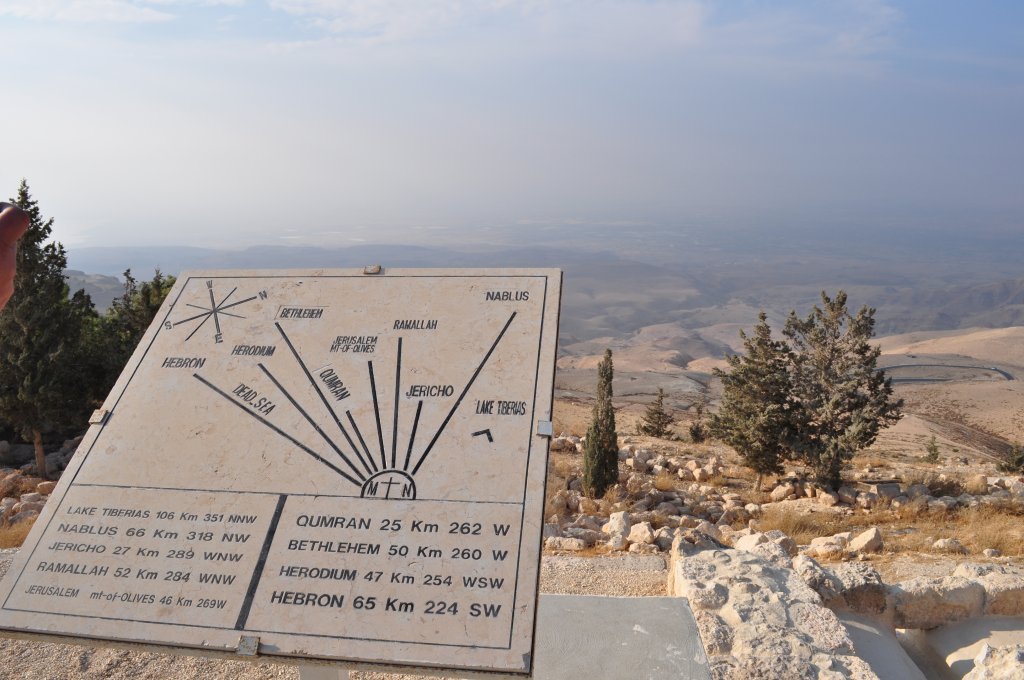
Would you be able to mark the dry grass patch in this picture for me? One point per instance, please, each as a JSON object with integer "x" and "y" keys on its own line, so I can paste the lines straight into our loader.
{"x": 560, "y": 469}
{"x": 976, "y": 485}
{"x": 14, "y": 536}
{"x": 916, "y": 529}
{"x": 17, "y": 485}
{"x": 870, "y": 460}
{"x": 991, "y": 527}
{"x": 665, "y": 481}
{"x": 803, "y": 526}
{"x": 938, "y": 484}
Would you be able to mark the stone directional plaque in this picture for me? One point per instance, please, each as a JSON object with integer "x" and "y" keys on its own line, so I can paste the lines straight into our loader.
{"x": 343, "y": 465}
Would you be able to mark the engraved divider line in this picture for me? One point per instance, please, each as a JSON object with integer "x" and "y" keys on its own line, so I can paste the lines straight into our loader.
{"x": 412, "y": 437}
{"x": 465, "y": 390}
{"x": 312, "y": 422}
{"x": 257, "y": 572}
{"x": 316, "y": 387}
{"x": 213, "y": 306}
{"x": 376, "y": 414}
{"x": 355, "y": 428}
{"x": 398, "y": 393}
{"x": 275, "y": 428}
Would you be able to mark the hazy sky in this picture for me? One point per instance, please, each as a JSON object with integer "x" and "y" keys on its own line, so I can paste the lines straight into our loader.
{"x": 236, "y": 122}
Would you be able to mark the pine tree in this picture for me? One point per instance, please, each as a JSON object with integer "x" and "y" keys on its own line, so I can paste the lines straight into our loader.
{"x": 698, "y": 430}
{"x": 754, "y": 417}
{"x": 656, "y": 420}
{"x": 601, "y": 451}
{"x": 130, "y": 315}
{"x": 843, "y": 399}
{"x": 41, "y": 388}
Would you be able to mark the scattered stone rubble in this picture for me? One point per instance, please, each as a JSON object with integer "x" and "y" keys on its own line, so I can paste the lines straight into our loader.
{"x": 16, "y": 507}
{"x": 647, "y": 519}
{"x": 765, "y": 607}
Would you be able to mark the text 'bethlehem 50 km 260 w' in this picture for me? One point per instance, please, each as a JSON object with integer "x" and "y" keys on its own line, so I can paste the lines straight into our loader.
{"x": 345, "y": 466}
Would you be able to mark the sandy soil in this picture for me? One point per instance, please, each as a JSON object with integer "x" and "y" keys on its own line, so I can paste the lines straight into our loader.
{"x": 998, "y": 345}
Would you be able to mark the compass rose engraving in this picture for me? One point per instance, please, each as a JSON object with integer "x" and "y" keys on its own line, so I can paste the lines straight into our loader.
{"x": 215, "y": 311}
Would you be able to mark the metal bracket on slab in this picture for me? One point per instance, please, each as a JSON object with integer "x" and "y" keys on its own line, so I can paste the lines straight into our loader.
{"x": 248, "y": 645}
{"x": 99, "y": 416}
{"x": 373, "y": 269}
{"x": 545, "y": 428}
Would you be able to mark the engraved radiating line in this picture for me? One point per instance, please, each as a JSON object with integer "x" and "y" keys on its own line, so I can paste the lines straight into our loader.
{"x": 311, "y": 422}
{"x": 208, "y": 312}
{"x": 355, "y": 428}
{"x": 193, "y": 318}
{"x": 196, "y": 329}
{"x": 213, "y": 306}
{"x": 316, "y": 387}
{"x": 235, "y": 304}
{"x": 412, "y": 437}
{"x": 275, "y": 428}
{"x": 398, "y": 391}
{"x": 458, "y": 402}
{"x": 376, "y": 414}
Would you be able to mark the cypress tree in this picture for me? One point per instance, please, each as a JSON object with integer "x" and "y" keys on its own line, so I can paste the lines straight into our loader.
{"x": 843, "y": 398}
{"x": 656, "y": 420}
{"x": 601, "y": 452}
{"x": 754, "y": 417}
{"x": 40, "y": 387}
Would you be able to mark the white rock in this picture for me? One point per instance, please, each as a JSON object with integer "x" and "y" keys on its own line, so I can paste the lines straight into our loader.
{"x": 749, "y": 542}
{"x": 928, "y": 603}
{"x": 847, "y": 494}
{"x": 641, "y": 533}
{"x": 618, "y": 524}
{"x": 618, "y": 542}
{"x": 826, "y": 546}
{"x": 709, "y": 529}
{"x": 950, "y": 545}
{"x": 867, "y": 500}
{"x": 559, "y": 543}
{"x": 828, "y": 498}
{"x": 1003, "y": 663}
{"x": 869, "y": 541}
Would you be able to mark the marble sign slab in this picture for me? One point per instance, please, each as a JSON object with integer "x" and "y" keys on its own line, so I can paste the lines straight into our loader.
{"x": 345, "y": 466}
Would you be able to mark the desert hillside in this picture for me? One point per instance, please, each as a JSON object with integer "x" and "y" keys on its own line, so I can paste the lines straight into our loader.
{"x": 964, "y": 387}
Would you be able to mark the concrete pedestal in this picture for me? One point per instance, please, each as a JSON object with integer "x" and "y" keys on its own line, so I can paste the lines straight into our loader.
{"x": 602, "y": 638}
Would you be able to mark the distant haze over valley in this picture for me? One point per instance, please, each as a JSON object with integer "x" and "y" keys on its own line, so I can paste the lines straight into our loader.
{"x": 621, "y": 279}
